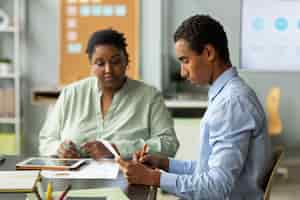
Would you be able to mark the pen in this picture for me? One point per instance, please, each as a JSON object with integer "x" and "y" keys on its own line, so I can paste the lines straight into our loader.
{"x": 64, "y": 193}
{"x": 143, "y": 152}
{"x": 110, "y": 148}
{"x": 49, "y": 191}
{"x": 39, "y": 190}
{"x": 145, "y": 149}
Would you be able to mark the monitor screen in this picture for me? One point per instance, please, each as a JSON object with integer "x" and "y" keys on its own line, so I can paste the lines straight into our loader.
{"x": 270, "y": 32}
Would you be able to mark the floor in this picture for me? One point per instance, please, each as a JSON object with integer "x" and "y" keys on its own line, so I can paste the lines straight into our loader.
{"x": 284, "y": 188}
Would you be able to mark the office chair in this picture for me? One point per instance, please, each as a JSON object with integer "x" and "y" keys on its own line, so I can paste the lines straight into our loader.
{"x": 274, "y": 122}
{"x": 277, "y": 156}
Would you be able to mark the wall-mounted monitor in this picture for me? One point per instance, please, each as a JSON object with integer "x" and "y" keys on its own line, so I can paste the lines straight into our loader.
{"x": 270, "y": 35}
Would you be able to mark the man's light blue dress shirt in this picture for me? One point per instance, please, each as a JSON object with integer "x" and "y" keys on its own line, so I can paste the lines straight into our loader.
{"x": 235, "y": 151}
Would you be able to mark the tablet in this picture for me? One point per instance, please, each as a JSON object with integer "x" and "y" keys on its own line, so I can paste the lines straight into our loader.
{"x": 39, "y": 163}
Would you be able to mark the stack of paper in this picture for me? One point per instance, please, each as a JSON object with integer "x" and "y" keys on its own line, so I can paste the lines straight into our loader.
{"x": 18, "y": 181}
{"x": 102, "y": 169}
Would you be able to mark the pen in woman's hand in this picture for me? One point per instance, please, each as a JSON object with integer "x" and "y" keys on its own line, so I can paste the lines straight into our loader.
{"x": 143, "y": 152}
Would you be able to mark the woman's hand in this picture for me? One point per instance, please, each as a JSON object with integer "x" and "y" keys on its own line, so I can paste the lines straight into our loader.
{"x": 137, "y": 173}
{"x": 96, "y": 150}
{"x": 67, "y": 149}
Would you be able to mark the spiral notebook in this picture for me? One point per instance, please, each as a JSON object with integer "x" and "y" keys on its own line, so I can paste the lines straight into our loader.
{"x": 18, "y": 181}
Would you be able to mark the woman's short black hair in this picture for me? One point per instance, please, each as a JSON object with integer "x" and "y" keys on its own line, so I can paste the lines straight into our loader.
{"x": 107, "y": 37}
{"x": 200, "y": 30}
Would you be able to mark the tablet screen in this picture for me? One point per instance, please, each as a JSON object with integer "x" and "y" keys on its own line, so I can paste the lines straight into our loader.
{"x": 50, "y": 162}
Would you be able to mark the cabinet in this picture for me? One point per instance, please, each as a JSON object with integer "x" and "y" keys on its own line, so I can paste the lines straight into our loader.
{"x": 11, "y": 60}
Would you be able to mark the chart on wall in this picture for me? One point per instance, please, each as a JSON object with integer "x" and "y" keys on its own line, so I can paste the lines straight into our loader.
{"x": 270, "y": 35}
{"x": 80, "y": 18}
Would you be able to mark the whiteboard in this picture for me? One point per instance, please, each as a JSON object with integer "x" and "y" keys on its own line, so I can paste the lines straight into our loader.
{"x": 270, "y": 35}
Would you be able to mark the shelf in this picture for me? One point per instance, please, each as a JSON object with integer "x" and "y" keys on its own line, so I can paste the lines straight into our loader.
{"x": 186, "y": 104}
{"x": 7, "y": 76}
{"x": 45, "y": 95}
{"x": 7, "y": 120}
{"x": 8, "y": 30}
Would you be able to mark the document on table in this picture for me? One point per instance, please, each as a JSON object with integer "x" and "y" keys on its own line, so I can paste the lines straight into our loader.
{"x": 101, "y": 169}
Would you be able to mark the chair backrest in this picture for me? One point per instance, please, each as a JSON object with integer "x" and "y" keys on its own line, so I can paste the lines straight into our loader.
{"x": 272, "y": 110}
{"x": 277, "y": 156}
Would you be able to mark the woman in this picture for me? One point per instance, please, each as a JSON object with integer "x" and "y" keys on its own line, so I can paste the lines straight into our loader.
{"x": 109, "y": 106}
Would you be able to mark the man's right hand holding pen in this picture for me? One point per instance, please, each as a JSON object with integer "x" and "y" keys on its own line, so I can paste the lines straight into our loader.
{"x": 143, "y": 168}
{"x": 153, "y": 161}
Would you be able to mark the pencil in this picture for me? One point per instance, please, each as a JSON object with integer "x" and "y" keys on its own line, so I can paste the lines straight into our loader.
{"x": 64, "y": 193}
{"x": 49, "y": 191}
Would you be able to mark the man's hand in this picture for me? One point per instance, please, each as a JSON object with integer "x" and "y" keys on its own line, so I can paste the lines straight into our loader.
{"x": 67, "y": 149}
{"x": 153, "y": 161}
{"x": 96, "y": 150}
{"x": 137, "y": 173}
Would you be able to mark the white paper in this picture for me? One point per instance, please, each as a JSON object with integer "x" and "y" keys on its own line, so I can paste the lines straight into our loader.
{"x": 101, "y": 169}
{"x": 71, "y": 23}
{"x": 110, "y": 147}
{"x": 72, "y": 36}
{"x": 18, "y": 180}
{"x": 71, "y": 10}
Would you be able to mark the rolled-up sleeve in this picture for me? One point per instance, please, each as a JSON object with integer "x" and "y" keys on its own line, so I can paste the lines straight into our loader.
{"x": 162, "y": 138}
{"x": 229, "y": 134}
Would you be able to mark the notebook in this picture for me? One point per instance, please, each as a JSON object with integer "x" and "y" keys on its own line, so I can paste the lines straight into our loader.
{"x": 90, "y": 194}
{"x": 18, "y": 181}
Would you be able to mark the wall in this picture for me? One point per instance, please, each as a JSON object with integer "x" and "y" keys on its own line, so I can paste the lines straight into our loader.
{"x": 156, "y": 51}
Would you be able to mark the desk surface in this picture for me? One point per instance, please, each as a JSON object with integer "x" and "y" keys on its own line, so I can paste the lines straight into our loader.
{"x": 134, "y": 192}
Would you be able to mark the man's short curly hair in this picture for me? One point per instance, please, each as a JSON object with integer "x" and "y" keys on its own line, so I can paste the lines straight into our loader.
{"x": 200, "y": 30}
{"x": 107, "y": 37}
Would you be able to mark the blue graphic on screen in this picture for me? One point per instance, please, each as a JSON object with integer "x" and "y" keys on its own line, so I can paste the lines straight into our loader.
{"x": 258, "y": 24}
{"x": 281, "y": 24}
{"x": 270, "y": 35}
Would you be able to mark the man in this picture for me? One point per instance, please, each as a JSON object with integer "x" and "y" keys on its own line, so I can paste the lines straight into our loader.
{"x": 235, "y": 151}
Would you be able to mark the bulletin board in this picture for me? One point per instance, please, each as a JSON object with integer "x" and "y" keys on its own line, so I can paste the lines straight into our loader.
{"x": 80, "y": 18}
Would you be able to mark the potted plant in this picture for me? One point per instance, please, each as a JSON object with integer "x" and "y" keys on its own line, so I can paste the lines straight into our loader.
{"x": 5, "y": 66}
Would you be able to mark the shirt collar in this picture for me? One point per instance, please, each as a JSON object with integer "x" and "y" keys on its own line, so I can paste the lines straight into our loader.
{"x": 124, "y": 88}
{"x": 220, "y": 82}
